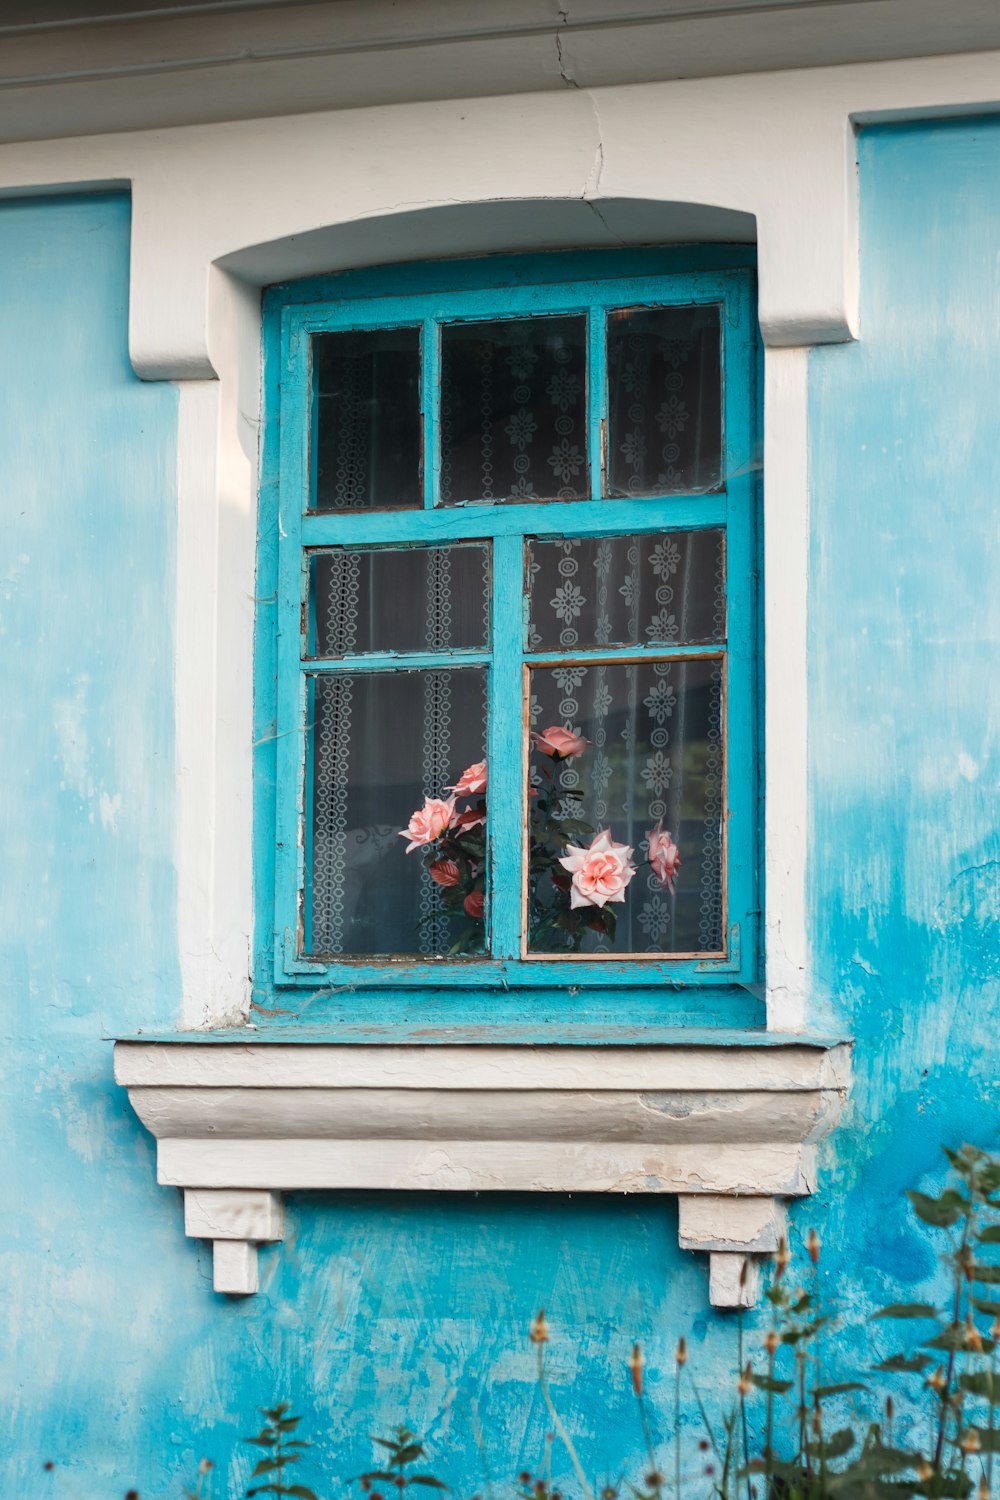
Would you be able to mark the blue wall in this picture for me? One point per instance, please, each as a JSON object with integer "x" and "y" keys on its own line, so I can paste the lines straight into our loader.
{"x": 904, "y": 708}
{"x": 120, "y": 1363}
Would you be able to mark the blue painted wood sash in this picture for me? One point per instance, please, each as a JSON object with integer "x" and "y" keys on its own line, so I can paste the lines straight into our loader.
{"x": 290, "y": 529}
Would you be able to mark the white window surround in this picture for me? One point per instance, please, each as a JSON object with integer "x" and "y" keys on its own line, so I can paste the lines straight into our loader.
{"x": 730, "y": 1129}
{"x": 219, "y": 211}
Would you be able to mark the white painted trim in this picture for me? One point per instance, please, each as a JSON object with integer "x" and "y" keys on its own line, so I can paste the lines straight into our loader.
{"x": 729, "y": 1129}
{"x": 137, "y": 71}
{"x": 706, "y": 1067}
{"x": 786, "y": 570}
{"x": 195, "y": 681}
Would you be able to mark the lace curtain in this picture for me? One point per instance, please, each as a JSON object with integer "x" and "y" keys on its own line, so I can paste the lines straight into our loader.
{"x": 513, "y": 425}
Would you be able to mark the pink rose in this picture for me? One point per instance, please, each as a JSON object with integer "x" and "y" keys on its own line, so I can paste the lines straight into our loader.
{"x": 559, "y": 742}
{"x": 444, "y": 872}
{"x": 472, "y": 781}
{"x": 428, "y": 822}
{"x": 475, "y": 905}
{"x": 664, "y": 856}
{"x": 600, "y": 872}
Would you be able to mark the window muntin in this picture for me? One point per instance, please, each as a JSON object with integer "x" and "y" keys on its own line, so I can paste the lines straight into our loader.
{"x": 713, "y": 531}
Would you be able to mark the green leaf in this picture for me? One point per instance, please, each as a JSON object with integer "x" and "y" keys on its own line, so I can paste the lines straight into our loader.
{"x": 822, "y": 1391}
{"x": 299, "y": 1490}
{"x": 979, "y": 1384}
{"x": 266, "y": 1466}
{"x": 840, "y": 1443}
{"x": 940, "y": 1212}
{"x": 989, "y": 1442}
{"x": 905, "y": 1362}
{"x": 428, "y": 1479}
{"x": 990, "y": 1235}
{"x": 768, "y": 1383}
{"x": 984, "y": 1305}
{"x": 277, "y": 1412}
{"x": 289, "y": 1424}
{"x": 954, "y": 1338}
{"x": 950, "y": 1485}
{"x": 990, "y": 1275}
{"x": 264, "y": 1439}
{"x": 907, "y": 1310}
{"x": 407, "y": 1454}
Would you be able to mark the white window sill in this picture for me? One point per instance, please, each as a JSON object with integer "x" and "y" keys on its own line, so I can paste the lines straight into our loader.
{"x": 727, "y": 1122}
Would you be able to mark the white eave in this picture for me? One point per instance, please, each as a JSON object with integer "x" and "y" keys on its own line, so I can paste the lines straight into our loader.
{"x": 730, "y": 1129}
{"x": 80, "y": 69}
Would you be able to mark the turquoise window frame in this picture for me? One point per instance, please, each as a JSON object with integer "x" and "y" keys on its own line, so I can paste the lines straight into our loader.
{"x": 427, "y": 296}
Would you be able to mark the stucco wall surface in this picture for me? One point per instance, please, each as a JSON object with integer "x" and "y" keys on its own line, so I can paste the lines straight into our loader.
{"x": 904, "y": 707}
{"x": 119, "y": 1361}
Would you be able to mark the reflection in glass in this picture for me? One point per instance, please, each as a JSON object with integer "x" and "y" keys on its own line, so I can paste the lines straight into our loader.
{"x": 626, "y": 590}
{"x": 379, "y": 743}
{"x": 664, "y": 401}
{"x": 405, "y": 599}
{"x": 514, "y": 410}
{"x": 650, "y": 778}
{"x": 367, "y": 436}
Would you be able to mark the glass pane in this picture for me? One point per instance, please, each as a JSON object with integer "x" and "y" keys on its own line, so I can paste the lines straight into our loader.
{"x": 368, "y": 432}
{"x": 413, "y": 599}
{"x": 664, "y": 401}
{"x": 380, "y": 743}
{"x": 626, "y": 590}
{"x": 514, "y": 410}
{"x": 627, "y": 756}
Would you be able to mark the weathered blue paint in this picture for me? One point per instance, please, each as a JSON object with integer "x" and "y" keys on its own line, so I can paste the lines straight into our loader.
{"x": 118, "y": 1358}
{"x": 904, "y": 710}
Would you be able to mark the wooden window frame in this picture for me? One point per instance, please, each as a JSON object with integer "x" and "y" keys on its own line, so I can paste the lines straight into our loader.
{"x": 428, "y": 296}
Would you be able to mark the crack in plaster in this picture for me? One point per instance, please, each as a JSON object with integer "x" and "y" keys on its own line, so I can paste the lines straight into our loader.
{"x": 564, "y": 73}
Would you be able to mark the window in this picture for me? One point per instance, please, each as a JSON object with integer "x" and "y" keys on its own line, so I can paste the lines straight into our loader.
{"x": 509, "y": 665}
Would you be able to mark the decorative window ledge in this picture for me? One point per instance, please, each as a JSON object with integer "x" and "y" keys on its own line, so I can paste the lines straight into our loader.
{"x": 728, "y": 1124}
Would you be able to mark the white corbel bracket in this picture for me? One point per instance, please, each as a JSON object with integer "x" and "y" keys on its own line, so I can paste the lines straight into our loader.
{"x": 729, "y": 1125}
{"x": 236, "y": 1220}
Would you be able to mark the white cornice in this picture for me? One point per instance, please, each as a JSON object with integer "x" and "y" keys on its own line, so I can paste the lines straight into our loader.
{"x": 730, "y": 1129}
{"x": 79, "y": 69}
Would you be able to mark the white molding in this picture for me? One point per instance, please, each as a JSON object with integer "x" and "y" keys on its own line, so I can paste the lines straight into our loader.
{"x": 786, "y": 569}
{"x": 727, "y": 1128}
{"x": 187, "y": 63}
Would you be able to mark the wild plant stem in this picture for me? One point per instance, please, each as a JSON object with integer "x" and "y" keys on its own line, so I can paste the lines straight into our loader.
{"x": 768, "y": 1456}
{"x": 744, "y": 1425}
{"x": 677, "y": 1431}
{"x": 956, "y": 1317}
{"x": 647, "y": 1435}
{"x": 557, "y": 1424}
{"x": 704, "y": 1417}
{"x": 803, "y": 1445}
{"x": 993, "y": 1385}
